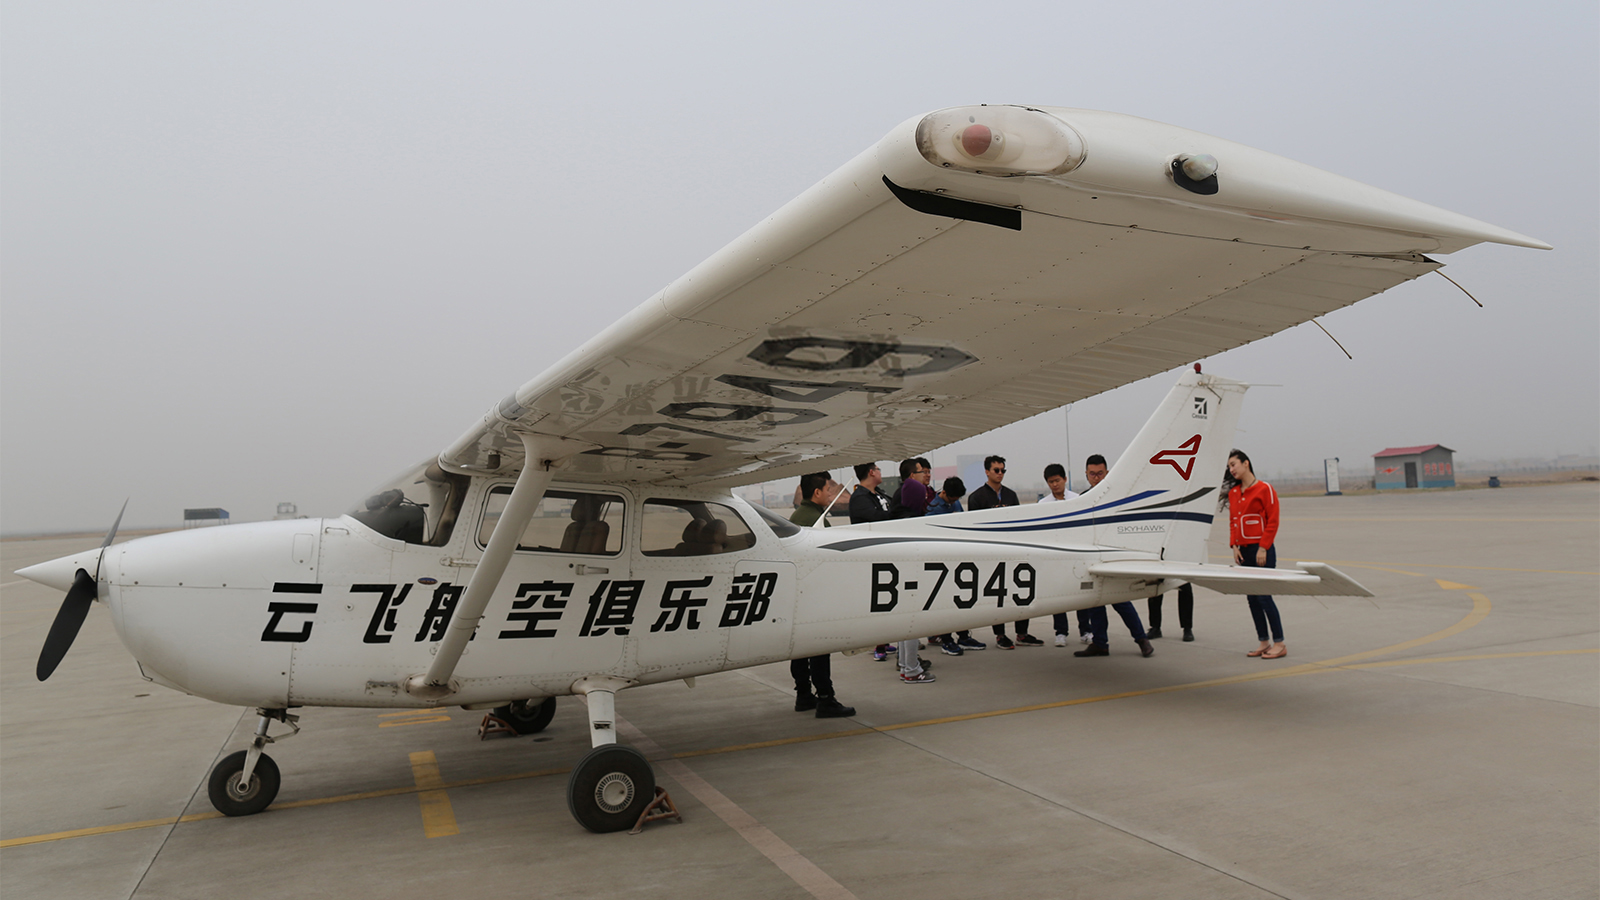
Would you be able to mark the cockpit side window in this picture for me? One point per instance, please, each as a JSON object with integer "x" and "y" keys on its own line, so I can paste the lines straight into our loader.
{"x": 419, "y": 507}
{"x": 692, "y": 528}
{"x": 564, "y": 522}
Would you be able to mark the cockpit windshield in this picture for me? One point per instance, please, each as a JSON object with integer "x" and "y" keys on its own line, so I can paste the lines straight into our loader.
{"x": 419, "y": 507}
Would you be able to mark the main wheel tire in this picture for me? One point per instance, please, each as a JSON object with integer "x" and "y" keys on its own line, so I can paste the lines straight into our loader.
{"x": 610, "y": 787}
{"x": 526, "y": 716}
{"x": 232, "y": 800}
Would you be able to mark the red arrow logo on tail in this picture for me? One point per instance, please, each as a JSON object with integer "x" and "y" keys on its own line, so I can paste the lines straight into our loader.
{"x": 1186, "y": 451}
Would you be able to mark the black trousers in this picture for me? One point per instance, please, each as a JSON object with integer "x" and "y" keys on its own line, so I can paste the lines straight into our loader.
{"x": 1021, "y": 625}
{"x": 1185, "y": 608}
{"x": 812, "y": 671}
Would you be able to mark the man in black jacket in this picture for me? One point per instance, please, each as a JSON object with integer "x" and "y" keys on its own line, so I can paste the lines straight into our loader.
{"x": 818, "y": 489}
{"x": 989, "y": 496}
{"x": 992, "y": 493}
{"x": 867, "y": 502}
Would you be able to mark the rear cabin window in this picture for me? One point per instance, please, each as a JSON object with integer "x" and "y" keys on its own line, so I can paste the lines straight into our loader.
{"x": 565, "y": 522}
{"x": 692, "y": 528}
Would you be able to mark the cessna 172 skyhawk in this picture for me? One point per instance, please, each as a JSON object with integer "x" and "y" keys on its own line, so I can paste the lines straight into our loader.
{"x": 976, "y": 266}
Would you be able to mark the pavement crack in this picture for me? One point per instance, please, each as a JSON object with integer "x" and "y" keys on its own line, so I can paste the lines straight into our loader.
{"x": 1098, "y": 819}
{"x": 190, "y": 802}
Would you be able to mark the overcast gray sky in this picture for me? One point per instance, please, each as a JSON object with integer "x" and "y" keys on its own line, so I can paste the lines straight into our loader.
{"x": 264, "y": 252}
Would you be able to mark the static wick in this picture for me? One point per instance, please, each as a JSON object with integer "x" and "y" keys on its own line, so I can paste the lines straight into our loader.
{"x": 1458, "y": 284}
{"x": 1332, "y": 338}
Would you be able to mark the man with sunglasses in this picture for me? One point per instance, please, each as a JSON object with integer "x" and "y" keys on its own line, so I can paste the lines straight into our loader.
{"x": 991, "y": 495}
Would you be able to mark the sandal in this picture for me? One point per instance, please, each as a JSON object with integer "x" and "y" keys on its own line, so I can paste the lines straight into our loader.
{"x": 1257, "y": 652}
{"x": 1282, "y": 652}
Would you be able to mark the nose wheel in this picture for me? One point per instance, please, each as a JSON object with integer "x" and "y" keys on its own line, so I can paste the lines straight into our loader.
{"x": 235, "y": 796}
{"x": 246, "y": 781}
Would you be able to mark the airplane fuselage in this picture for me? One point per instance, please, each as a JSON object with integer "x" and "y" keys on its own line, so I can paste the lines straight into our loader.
{"x": 328, "y": 612}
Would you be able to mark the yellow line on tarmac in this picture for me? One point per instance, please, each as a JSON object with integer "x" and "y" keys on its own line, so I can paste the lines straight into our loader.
{"x": 291, "y": 804}
{"x": 1470, "y": 658}
{"x": 1480, "y": 609}
{"x": 759, "y": 745}
{"x": 414, "y": 717}
{"x": 105, "y": 829}
{"x": 438, "y": 819}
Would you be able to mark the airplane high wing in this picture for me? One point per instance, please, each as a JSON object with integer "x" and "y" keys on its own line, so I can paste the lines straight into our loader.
{"x": 977, "y": 266}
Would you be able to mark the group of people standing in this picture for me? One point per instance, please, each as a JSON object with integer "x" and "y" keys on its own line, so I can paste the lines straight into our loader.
{"x": 1252, "y": 528}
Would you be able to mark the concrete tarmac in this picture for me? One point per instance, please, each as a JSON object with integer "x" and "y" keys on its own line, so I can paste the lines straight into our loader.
{"x": 1440, "y": 741}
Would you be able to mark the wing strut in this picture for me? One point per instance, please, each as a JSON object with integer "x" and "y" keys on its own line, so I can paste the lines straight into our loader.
{"x": 537, "y": 470}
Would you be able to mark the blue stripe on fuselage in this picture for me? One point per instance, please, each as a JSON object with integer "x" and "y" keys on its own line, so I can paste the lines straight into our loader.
{"x": 1046, "y": 525}
{"x": 1008, "y": 526}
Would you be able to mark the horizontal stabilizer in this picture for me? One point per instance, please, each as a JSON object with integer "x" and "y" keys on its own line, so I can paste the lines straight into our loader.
{"x": 1309, "y": 578}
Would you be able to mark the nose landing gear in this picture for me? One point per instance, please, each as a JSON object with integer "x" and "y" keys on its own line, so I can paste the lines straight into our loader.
{"x": 246, "y": 781}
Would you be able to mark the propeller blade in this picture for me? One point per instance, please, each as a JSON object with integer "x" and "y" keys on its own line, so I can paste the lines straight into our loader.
{"x": 110, "y": 536}
{"x": 69, "y": 619}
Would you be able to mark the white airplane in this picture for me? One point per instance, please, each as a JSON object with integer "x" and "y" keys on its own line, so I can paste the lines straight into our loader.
{"x": 976, "y": 266}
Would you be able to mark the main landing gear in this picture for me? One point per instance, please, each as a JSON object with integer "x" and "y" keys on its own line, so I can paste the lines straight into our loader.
{"x": 527, "y": 716}
{"x": 246, "y": 781}
{"x": 609, "y": 788}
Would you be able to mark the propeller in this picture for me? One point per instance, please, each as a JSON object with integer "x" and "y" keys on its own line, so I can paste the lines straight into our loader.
{"x": 75, "y": 608}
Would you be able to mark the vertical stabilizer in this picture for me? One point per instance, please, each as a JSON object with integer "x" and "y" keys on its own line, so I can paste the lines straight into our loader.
{"x": 1161, "y": 495}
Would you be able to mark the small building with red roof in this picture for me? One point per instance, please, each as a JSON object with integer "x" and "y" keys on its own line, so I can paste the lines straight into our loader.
{"x": 1429, "y": 466}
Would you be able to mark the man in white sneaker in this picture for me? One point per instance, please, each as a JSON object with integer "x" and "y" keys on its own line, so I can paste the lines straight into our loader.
{"x": 1055, "y": 477}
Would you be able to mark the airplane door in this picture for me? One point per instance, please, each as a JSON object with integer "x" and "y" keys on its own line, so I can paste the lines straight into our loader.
{"x": 567, "y": 601}
{"x": 766, "y": 628}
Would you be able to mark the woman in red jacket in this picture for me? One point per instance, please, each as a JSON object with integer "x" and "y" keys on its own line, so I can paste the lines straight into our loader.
{"x": 1252, "y": 528}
